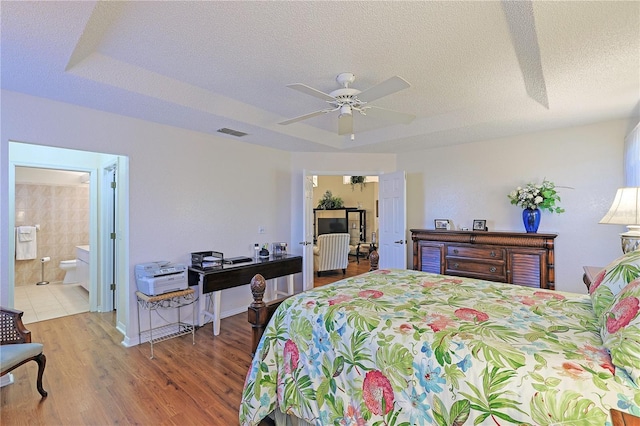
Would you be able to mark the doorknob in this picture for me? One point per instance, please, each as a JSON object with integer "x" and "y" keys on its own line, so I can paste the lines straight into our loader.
{"x": 304, "y": 243}
{"x": 399, "y": 242}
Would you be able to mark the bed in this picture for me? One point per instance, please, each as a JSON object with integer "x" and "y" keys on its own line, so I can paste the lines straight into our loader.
{"x": 403, "y": 347}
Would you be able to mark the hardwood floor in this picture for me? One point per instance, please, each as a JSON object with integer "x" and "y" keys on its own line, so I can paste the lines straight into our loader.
{"x": 93, "y": 380}
{"x": 353, "y": 269}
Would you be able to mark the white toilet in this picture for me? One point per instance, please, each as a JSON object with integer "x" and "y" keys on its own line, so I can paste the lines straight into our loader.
{"x": 69, "y": 266}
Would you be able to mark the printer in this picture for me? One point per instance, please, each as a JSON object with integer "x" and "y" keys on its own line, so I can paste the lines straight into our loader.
{"x": 155, "y": 278}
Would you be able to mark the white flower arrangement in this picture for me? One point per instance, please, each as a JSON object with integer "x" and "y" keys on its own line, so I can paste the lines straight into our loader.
{"x": 537, "y": 196}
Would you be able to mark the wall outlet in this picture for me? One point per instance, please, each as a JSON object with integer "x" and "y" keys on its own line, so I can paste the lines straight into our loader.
{"x": 260, "y": 229}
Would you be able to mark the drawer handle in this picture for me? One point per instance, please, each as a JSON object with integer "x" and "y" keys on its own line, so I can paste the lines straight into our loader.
{"x": 455, "y": 266}
{"x": 455, "y": 251}
{"x": 493, "y": 254}
{"x": 492, "y": 269}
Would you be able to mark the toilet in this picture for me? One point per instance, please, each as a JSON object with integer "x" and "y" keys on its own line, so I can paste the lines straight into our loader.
{"x": 69, "y": 266}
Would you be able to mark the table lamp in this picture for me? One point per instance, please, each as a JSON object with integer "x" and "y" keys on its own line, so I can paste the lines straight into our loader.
{"x": 625, "y": 210}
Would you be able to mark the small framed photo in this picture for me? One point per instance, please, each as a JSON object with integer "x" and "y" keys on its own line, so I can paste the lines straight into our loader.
{"x": 479, "y": 225}
{"x": 442, "y": 224}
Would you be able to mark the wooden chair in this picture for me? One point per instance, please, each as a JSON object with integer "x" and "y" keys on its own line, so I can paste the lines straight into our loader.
{"x": 17, "y": 348}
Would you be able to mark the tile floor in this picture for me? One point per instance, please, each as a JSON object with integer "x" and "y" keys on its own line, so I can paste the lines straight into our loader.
{"x": 54, "y": 300}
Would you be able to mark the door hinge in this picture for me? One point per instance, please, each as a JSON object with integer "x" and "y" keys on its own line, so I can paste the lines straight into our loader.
{"x": 112, "y": 235}
{"x": 112, "y": 287}
{"x": 113, "y": 185}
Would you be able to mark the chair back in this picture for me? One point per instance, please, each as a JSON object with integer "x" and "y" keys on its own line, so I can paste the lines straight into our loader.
{"x": 333, "y": 251}
{"x": 12, "y": 330}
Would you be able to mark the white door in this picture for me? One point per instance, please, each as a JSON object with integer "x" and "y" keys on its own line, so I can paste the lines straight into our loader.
{"x": 392, "y": 221}
{"x": 307, "y": 231}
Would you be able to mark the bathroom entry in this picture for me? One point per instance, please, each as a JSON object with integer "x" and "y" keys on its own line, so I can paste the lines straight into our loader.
{"x": 51, "y": 274}
{"x": 98, "y": 166}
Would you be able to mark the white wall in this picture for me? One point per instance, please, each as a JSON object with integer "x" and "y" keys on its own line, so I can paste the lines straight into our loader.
{"x": 471, "y": 181}
{"x": 188, "y": 191}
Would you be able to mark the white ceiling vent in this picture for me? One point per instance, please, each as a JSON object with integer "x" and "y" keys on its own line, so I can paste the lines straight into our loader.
{"x": 232, "y": 132}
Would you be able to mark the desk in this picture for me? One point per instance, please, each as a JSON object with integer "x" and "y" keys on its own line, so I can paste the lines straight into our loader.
{"x": 213, "y": 281}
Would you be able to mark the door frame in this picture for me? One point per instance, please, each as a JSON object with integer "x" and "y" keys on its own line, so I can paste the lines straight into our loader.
{"x": 69, "y": 159}
{"x": 307, "y": 210}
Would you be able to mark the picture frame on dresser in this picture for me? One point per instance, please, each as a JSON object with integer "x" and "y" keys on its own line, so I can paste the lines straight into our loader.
{"x": 479, "y": 225}
{"x": 442, "y": 224}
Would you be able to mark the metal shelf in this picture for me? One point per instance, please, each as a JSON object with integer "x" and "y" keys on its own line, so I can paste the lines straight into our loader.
{"x": 166, "y": 332}
{"x": 175, "y": 299}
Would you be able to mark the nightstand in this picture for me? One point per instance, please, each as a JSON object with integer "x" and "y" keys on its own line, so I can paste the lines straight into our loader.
{"x": 624, "y": 419}
{"x": 589, "y": 275}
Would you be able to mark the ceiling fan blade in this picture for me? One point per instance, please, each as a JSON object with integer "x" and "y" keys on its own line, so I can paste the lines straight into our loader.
{"x": 311, "y": 91}
{"x": 304, "y": 117}
{"x": 387, "y": 87}
{"x": 524, "y": 37}
{"x": 345, "y": 124}
{"x": 389, "y": 114}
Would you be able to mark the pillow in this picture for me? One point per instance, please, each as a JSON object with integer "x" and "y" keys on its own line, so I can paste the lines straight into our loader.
{"x": 612, "y": 279}
{"x": 621, "y": 330}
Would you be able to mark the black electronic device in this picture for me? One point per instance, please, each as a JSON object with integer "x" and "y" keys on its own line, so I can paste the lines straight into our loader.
{"x": 238, "y": 259}
{"x": 335, "y": 225}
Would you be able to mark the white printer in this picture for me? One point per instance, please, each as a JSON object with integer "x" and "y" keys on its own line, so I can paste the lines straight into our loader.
{"x": 155, "y": 278}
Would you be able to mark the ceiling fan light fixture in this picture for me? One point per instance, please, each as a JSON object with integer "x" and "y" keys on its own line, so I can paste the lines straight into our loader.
{"x": 345, "y": 110}
{"x": 346, "y": 100}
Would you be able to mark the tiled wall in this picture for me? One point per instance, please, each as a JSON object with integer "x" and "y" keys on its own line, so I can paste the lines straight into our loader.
{"x": 63, "y": 215}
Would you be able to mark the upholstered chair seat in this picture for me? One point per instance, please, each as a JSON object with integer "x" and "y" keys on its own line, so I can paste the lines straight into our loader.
{"x": 17, "y": 348}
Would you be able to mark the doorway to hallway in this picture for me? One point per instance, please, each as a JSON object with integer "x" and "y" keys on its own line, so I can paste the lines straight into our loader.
{"x": 361, "y": 227}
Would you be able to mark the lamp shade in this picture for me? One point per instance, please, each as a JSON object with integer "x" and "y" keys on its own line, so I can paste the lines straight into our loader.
{"x": 625, "y": 209}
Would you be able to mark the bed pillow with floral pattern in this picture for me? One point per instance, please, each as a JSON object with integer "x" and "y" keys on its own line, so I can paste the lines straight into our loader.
{"x": 621, "y": 331}
{"x": 612, "y": 279}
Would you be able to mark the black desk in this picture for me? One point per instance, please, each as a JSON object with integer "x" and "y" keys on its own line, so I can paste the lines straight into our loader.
{"x": 213, "y": 281}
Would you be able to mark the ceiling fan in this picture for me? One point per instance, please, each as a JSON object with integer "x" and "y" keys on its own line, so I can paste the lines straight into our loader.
{"x": 346, "y": 100}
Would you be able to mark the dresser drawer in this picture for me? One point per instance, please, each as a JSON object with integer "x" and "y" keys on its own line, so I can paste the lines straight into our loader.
{"x": 494, "y": 271}
{"x": 488, "y": 253}
{"x": 431, "y": 257}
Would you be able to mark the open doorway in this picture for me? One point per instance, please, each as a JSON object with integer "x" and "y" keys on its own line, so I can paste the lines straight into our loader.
{"x": 52, "y": 228}
{"x": 105, "y": 207}
{"x": 357, "y": 216}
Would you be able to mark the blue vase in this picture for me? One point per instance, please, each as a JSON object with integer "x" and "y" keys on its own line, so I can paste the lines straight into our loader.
{"x": 531, "y": 219}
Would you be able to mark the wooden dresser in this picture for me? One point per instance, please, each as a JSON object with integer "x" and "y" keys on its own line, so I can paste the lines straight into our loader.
{"x": 510, "y": 257}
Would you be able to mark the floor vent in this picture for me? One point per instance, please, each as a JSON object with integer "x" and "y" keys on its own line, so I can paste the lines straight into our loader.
{"x": 232, "y": 132}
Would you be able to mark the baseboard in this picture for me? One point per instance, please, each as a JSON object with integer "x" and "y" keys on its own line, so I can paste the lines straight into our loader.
{"x": 129, "y": 342}
{"x": 233, "y": 312}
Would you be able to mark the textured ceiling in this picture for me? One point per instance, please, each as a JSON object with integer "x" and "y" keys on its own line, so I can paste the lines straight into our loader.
{"x": 478, "y": 70}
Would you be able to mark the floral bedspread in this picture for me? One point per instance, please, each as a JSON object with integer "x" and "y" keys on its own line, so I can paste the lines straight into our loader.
{"x": 402, "y": 347}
